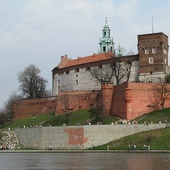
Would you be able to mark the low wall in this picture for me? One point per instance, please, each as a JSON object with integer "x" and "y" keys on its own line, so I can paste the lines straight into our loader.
{"x": 77, "y": 137}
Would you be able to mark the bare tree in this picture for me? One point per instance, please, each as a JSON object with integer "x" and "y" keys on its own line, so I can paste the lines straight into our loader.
{"x": 32, "y": 84}
{"x": 9, "y": 104}
{"x": 3, "y": 117}
{"x": 162, "y": 91}
{"x": 96, "y": 113}
{"x": 120, "y": 70}
{"x": 67, "y": 105}
{"x": 103, "y": 73}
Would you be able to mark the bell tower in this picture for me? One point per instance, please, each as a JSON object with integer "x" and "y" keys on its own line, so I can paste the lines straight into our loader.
{"x": 106, "y": 42}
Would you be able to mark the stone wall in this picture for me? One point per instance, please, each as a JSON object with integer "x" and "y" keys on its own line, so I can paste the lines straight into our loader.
{"x": 77, "y": 137}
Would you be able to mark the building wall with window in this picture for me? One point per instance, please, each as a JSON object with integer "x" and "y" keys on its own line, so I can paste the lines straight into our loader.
{"x": 153, "y": 56}
{"x": 76, "y": 75}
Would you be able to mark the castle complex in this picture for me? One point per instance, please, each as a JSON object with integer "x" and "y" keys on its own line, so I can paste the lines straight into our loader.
{"x": 125, "y": 92}
{"x": 149, "y": 65}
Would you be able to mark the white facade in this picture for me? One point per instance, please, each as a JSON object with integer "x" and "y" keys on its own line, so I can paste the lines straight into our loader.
{"x": 83, "y": 80}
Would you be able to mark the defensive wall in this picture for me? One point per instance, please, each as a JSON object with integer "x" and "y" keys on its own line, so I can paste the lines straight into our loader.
{"x": 33, "y": 107}
{"x": 77, "y": 137}
{"x": 127, "y": 101}
{"x": 131, "y": 100}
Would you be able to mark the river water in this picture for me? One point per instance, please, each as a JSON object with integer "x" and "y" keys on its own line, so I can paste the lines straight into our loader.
{"x": 84, "y": 161}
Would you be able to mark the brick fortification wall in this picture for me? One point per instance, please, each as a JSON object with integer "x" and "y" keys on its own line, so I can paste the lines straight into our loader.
{"x": 127, "y": 101}
{"x": 33, "y": 107}
{"x": 77, "y": 137}
{"x": 76, "y": 100}
{"x": 135, "y": 99}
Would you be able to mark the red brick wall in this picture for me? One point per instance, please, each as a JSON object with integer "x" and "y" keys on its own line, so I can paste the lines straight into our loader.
{"x": 127, "y": 101}
{"x": 107, "y": 94}
{"x": 78, "y": 100}
{"x": 135, "y": 99}
{"x": 33, "y": 107}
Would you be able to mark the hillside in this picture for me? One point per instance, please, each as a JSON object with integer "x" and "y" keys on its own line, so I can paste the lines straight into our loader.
{"x": 82, "y": 117}
{"x": 157, "y": 139}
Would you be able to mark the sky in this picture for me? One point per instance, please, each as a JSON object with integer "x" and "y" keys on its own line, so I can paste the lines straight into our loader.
{"x": 41, "y": 31}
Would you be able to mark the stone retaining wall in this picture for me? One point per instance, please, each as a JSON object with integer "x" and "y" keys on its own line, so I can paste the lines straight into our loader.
{"x": 77, "y": 137}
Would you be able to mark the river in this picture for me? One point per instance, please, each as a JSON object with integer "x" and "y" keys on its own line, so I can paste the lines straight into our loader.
{"x": 84, "y": 161}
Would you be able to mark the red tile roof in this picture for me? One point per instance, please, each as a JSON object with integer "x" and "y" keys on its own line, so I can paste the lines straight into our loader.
{"x": 65, "y": 62}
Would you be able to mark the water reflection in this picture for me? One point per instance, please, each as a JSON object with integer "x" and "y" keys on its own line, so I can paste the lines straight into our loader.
{"x": 84, "y": 161}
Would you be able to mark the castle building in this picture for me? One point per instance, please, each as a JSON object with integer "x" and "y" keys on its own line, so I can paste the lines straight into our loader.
{"x": 149, "y": 65}
{"x": 129, "y": 98}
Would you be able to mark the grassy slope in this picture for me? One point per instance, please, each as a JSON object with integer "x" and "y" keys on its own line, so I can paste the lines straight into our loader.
{"x": 157, "y": 139}
{"x": 82, "y": 117}
{"x": 156, "y": 116}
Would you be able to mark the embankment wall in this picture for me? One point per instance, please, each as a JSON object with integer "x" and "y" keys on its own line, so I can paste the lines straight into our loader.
{"x": 77, "y": 137}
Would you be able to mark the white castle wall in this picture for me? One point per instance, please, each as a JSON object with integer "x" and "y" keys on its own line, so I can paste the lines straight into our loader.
{"x": 83, "y": 80}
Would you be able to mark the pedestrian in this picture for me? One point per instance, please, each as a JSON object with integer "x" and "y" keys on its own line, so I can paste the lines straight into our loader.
{"x": 134, "y": 147}
{"x": 129, "y": 147}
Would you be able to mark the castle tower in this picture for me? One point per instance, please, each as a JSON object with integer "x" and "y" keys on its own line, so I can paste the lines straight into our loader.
{"x": 107, "y": 92}
{"x": 153, "y": 56}
{"x": 106, "y": 42}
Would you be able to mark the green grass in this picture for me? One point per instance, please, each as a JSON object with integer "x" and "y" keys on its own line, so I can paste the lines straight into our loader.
{"x": 156, "y": 116}
{"x": 31, "y": 121}
{"x": 81, "y": 116}
{"x": 158, "y": 140}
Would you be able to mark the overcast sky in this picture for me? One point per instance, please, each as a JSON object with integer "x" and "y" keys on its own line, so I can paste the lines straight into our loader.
{"x": 40, "y": 31}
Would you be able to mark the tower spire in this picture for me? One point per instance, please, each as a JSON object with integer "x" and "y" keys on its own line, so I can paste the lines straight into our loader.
{"x": 106, "y": 42}
{"x": 106, "y": 20}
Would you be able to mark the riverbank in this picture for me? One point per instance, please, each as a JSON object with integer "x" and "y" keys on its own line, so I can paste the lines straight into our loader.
{"x": 84, "y": 151}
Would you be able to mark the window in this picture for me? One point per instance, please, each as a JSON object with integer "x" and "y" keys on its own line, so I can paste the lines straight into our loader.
{"x": 91, "y": 105}
{"x": 76, "y": 82}
{"x": 104, "y": 49}
{"x": 150, "y": 60}
{"x": 67, "y": 72}
{"x": 153, "y": 50}
{"x": 165, "y": 60}
{"x": 88, "y": 68}
{"x": 77, "y": 70}
{"x": 146, "y": 50}
{"x": 165, "y": 51}
{"x": 100, "y": 66}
